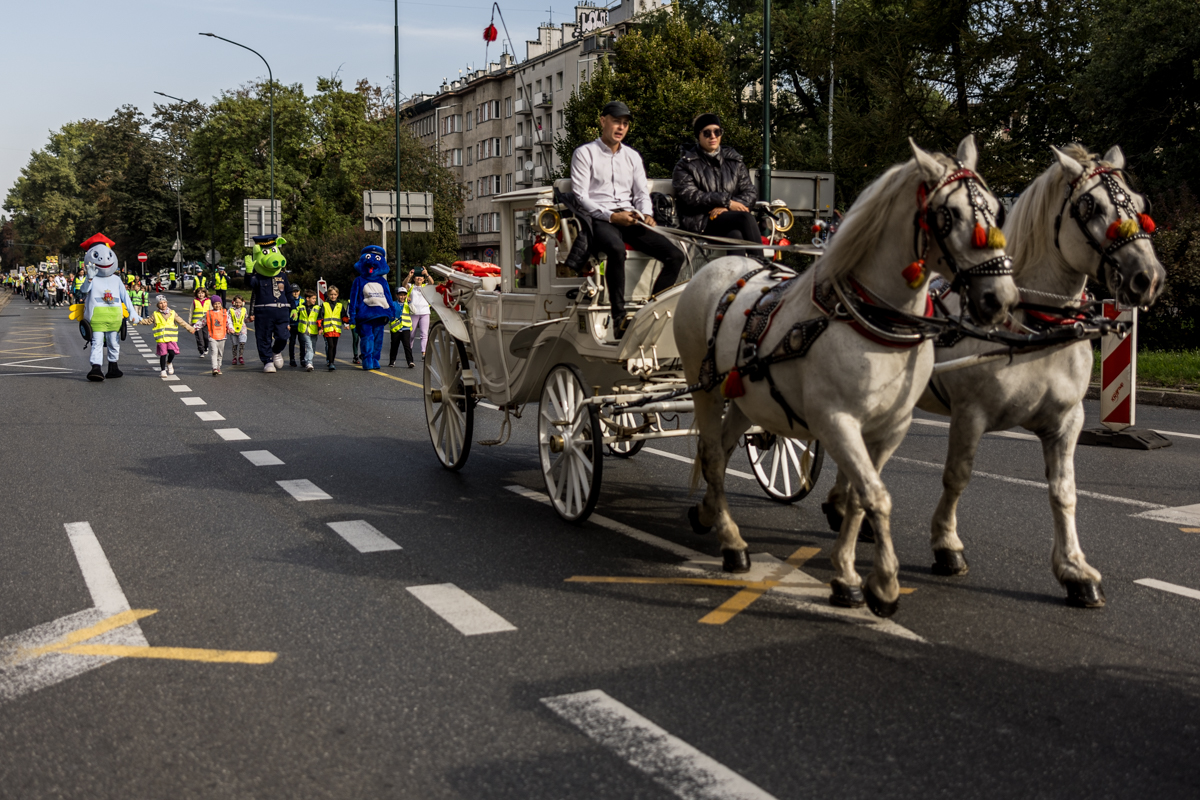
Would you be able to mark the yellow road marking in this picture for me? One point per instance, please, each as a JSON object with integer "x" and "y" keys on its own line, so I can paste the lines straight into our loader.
{"x": 380, "y": 373}
{"x": 1190, "y": 530}
{"x": 668, "y": 581}
{"x": 742, "y": 600}
{"x": 72, "y": 643}
{"x": 100, "y": 628}
{"x": 174, "y": 653}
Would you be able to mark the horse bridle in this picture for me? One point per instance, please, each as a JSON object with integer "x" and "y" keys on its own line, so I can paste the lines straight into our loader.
{"x": 1122, "y": 200}
{"x": 927, "y": 221}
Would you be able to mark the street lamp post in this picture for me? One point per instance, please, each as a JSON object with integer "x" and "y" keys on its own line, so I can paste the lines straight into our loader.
{"x": 396, "y": 104}
{"x": 766, "y": 121}
{"x": 271, "y": 80}
{"x": 177, "y": 187}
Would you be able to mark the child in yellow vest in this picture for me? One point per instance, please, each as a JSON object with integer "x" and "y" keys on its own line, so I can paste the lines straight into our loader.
{"x": 166, "y": 334}
{"x": 201, "y": 305}
{"x": 332, "y": 315}
{"x": 216, "y": 325}
{"x": 237, "y": 331}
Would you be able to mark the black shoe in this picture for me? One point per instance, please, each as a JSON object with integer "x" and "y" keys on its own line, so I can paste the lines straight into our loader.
{"x": 619, "y": 333}
{"x": 95, "y": 374}
{"x": 294, "y": 364}
{"x": 356, "y": 361}
{"x": 113, "y": 370}
{"x": 391, "y": 365}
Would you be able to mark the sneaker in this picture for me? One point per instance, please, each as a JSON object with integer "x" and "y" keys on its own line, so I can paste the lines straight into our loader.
{"x": 332, "y": 367}
{"x": 269, "y": 366}
{"x": 163, "y": 373}
{"x": 391, "y": 365}
{"x": 411, "y": 365}
{"x": 308, "y": 367}
{"x": 356, "y": 361}
{"x": 170, "y": 369}
{"x": 278, "y": 360}
{"x": 216, "y": 372}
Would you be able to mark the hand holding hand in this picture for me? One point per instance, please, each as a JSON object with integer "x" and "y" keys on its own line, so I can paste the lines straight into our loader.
{"x": 716, "y": 212}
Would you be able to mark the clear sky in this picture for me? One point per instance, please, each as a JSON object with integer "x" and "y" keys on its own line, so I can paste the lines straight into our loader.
{"x": 66, "y": 60}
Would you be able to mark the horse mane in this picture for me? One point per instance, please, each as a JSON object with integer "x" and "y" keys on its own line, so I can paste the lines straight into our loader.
{"x": 863, "y": 227}
{"x": 1029, "y": 234}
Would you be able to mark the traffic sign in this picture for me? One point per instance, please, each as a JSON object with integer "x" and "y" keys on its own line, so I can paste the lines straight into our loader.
{"x": 213, "y": 256}
{"x": 178, "y": 258}
{"x": 239, "y": 262}
{"x": 177, "y": 246}
{"x": 142, "y": 257}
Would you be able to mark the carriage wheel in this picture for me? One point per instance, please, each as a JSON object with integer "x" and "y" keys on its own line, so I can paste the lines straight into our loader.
{"x": 449, "y": 409}
{"x": 786, "y": 469}
{"x": 569, "y": 444}
{"x": 626, "y": 419}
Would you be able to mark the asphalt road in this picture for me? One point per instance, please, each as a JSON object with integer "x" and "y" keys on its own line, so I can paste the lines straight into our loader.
{"x": 280, "y": 661}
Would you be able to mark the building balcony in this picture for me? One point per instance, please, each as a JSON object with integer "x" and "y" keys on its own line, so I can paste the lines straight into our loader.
{"x": 539, "y": 173}
{"x": 543, "y": 99}
{"x": 523, "y": 106}
{"x": 524, "y": 142}
{"x": 523, "y": 177}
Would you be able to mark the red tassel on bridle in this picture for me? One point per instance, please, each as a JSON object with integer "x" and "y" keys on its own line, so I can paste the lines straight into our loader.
{"x": 1147, "y": 224}
{"x": 733, "y": 387}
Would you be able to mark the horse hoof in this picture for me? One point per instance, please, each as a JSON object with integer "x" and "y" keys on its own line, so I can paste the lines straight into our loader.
{"x": 735, "y": 560}
{"x": 693, "y": 516}
{"x": 949, "y": 563}
{"x": 1085, "y": 594}
{"x": 832, "y": 516}
{"x": 844, "y": 596}
{"x": 880, "y": 608}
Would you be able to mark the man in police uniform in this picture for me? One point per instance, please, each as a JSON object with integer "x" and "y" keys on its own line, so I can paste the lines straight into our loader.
{"x": 221, "y": 285}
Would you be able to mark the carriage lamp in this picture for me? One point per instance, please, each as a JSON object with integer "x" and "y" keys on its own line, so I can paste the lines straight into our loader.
{"x": 784, "y": 218}
{"x": 548, "y": 221}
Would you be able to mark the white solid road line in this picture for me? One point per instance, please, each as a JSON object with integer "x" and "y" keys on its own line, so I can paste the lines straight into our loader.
{"x": 684, "y": 459}
{"x": 193, "y": 401}
{"x": 1035, "y": 484}
{"x": 210, "y": 416}
{"x": 363, "y": 536}
{"x": 262, "y": 458}
{"x": 1188, "y": 516}
{"x": 469, "y": 616}
{"x": 230, "y": 434}
{"x": 97, "y": 573}
{"x": 304, "y": 490}
{"x": 1169, "y": 587}
{"x": 937, "y": 423}
{"x": 668, "y": 760}
{"x": 181, "y": 388}
{"x": 619, "y": 527}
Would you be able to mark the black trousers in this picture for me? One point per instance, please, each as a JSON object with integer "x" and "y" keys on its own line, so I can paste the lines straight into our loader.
{"x": 735, "y": 225}
{"x": 610, "y": 240}
{"x": 401, "y": 337}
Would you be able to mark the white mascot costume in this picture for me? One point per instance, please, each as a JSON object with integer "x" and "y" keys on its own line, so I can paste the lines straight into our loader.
{"x": 106, "y": 305}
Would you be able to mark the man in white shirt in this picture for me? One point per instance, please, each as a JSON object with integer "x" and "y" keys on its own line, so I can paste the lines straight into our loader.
{"x": 609, "y": 182}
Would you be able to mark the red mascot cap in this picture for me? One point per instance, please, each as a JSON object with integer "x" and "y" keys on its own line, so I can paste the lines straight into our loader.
{"x": 99, "y": 238}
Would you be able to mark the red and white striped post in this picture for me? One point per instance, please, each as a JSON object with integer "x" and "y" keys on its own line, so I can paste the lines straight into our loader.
{"x": 1118, "y": 389}
{"x": 1118, "y": 371}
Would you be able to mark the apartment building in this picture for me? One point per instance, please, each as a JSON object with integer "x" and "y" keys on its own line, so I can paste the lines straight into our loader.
{"x": 496, "y": 126}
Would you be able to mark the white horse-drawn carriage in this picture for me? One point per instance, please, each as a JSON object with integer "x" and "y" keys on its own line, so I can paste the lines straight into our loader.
{"x": 839, "y": 354}
{"x": 538, "y": 332}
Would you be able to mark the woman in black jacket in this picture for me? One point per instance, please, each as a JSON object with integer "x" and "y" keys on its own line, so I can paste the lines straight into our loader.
{"x": 713, "y": 193}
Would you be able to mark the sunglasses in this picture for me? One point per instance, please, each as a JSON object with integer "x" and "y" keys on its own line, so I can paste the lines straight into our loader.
{"x": 715, "y": 133}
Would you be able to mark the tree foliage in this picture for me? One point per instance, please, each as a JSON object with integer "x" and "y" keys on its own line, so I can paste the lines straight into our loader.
{"x": 134, "y": 177}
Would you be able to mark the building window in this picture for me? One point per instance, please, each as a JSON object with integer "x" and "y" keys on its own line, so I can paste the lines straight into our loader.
{"x": 507, "y": 107}
{"x": 559, "y": 78}
{"x": 537, "y": 87}
{"x": 520, "y": 128}
{"x": 520, "y": 92}
{"x": 508, "y": 145}
{"x": 508, "y": 182}
{"x": 496, "y": 184}
{"x": 560, "y": 120}
{"x": 468, "y": 120}
{"x": 470, "y": 152}
{"x": 458, "y": 225}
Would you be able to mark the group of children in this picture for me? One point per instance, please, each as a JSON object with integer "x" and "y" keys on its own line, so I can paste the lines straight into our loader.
{"x": 213, "y": 325}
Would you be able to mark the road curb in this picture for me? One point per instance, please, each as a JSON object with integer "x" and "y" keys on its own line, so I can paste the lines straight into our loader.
{"x": 1156, "y": 397}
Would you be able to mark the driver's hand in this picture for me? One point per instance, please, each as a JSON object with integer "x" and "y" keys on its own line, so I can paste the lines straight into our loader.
{"x": 734, "y": 205}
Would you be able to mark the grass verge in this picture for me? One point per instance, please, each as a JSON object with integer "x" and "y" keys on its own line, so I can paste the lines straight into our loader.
{"x": 1171, "y": 369}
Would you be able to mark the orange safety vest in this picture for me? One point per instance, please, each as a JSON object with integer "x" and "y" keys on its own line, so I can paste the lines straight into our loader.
{"x": 216, "y": 324}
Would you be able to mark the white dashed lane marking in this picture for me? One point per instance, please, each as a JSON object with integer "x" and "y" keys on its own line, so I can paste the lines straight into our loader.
{"x": 363, "y": 536}
{"x": 181, "y": 388}
{"x": 668, "y": 760}
{"x": 170, "y": 377}
{"x": 262, "y": 458}
{"x": 1163, "y": 586}
{"x": 209, "y": 416}
{"x": 684, "y": 459}
{"x": 230, "y": 434}
{"x": 304, "y": 489}
{"x": 469, "y": 616}
{"x": 193, "y": 401}
{"x": 1180, "y": 515}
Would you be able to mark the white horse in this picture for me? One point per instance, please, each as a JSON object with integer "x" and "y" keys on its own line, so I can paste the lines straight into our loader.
{"x": 1057, "y": 233}
{"x": 858, "y": 379}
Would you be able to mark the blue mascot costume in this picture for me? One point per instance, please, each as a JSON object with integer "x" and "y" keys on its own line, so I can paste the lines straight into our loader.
{"x": 370, "y": 303}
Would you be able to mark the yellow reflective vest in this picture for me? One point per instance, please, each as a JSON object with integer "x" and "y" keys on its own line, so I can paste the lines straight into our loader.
{"x": 237, "y": 319}
{"x": 200, "y": 309}
{"x": 331, "y": 322}
{"x": 402, "y": 322}
{"x": 220, "y": 282}
{"x": 166, "y": 327}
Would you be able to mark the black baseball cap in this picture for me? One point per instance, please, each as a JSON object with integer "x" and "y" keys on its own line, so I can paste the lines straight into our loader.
{"x": 615, "y": 108}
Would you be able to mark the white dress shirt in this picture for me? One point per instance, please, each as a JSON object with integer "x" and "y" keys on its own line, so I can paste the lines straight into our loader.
{"x": 605, "y": 182}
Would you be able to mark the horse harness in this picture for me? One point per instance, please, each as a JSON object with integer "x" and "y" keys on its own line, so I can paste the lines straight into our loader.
{"x": 1083, "y": 209}
{"x": 937, "y": 223}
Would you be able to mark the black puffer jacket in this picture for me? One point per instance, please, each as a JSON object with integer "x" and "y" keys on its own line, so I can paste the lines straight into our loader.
{"x": 703, "y": 182}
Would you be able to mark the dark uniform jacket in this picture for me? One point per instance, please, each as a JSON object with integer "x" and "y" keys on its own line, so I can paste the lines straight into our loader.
{"x": 703, "y": 182}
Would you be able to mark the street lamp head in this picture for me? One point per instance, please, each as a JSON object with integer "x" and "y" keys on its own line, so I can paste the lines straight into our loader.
{"x": 209, "y": 34}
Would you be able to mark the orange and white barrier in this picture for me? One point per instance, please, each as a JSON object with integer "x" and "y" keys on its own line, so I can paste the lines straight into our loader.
{"x": 1118, "y": 371}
